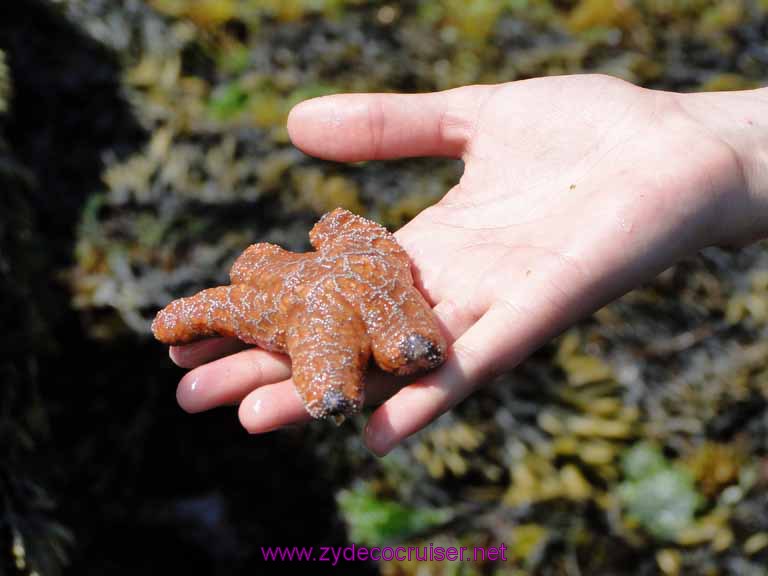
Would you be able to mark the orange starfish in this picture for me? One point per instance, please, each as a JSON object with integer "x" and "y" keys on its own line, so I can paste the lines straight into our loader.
{"x": 328, "y": 309}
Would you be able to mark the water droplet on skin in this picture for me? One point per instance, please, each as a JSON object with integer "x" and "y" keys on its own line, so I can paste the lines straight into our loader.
{"x": 626, "y": 225}
{"x": 257, "y": 406}
{"x": 193, "y": 386}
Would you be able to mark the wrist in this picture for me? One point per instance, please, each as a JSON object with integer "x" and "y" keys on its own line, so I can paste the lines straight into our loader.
{"x": 739, "y": 122}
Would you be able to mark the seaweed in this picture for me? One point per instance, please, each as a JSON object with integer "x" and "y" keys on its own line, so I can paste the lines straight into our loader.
{"x": 144, "y": 146}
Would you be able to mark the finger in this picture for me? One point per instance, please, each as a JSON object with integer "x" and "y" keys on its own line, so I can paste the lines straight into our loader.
{"x": 197, "y": 353}
{"x": 272, "y": 406}
{"x": 228, "y": 380}
{"x": 276, "y": 405}
{"x": 473, "y": 358}
{"x": 455, "y": 318}
{"x": 354, "y": 127}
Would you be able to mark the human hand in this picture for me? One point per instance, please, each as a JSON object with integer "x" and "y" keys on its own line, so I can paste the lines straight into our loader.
{"x": 575, "y": 190}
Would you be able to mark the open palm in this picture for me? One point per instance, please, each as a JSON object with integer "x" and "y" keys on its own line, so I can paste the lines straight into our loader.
{"x": 575, "y": 190}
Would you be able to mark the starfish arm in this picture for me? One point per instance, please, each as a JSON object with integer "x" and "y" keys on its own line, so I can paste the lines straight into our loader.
{"x": 236, "y": 311}
{"x": 263, "y": 265}
{"x": 340, "y": 230}
{"x": 329, "y": 351}
{"x": 405, "y": 337}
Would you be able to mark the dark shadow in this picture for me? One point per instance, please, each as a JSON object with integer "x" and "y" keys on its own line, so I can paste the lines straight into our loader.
{"x": 143, "y": 487}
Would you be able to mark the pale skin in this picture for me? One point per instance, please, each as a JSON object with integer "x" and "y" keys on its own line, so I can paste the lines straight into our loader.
{"x": 575, "y": 190}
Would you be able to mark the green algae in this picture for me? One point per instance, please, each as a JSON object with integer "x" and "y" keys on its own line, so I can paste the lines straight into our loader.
{"x": 658, "y": 495}
{"x": 375, "y": 521}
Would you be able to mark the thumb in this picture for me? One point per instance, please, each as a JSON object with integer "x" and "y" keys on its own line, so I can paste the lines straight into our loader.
{"x": 355, "y": 127}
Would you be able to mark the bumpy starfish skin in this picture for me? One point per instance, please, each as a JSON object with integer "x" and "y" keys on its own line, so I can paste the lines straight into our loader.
{"x": 329, "y": 310}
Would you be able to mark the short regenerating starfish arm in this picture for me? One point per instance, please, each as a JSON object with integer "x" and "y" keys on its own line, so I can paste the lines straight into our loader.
{"x": 264, "y": 265}
{"x": 236, "y": 311}
{"x": 339, "y": 230}
{"x": 329, "y": 352}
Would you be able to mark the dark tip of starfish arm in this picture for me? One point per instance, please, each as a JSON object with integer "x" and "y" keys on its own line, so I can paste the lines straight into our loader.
{"x": 421, "y": 352}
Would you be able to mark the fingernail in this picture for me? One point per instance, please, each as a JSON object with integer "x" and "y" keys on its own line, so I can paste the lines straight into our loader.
{"x": 188, "y": 395}
{"x": 265, "y": 431}
{"x": 181, "y": 355}
{"x": 321, "y": 110}
{"x": 254, "y": 418}
{"x": 375, "y": 442}
{"x": 256, "y": 430}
